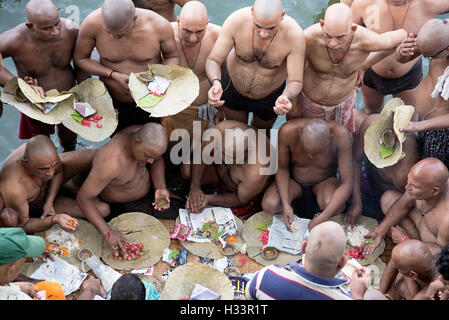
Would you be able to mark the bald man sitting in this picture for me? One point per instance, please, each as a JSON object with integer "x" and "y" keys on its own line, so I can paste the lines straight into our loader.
{"x": 310, "y": 152}
{"x": 54, "y": 38}
{"x": 30, "y": 179}
{"x": 195, "y": 36}
{"x": 127, "y": 175}
{"x": 262, "y": 47}
{"x": 166, "y": 8}
{"x": 421, "y": 211}
{"x": 336, "y": 58}
{"x": 323, "y": 257}
{"x": 127, "y": 40}
{"x": 432, "y": 103}
{"x": 416, "y": 269}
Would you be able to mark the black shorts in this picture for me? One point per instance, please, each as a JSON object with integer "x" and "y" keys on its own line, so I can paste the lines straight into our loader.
{"x": 386, "y": 86}
{"x": 435, "y": 144}
{"x": 129, "y": 114}
{"x": 262, "y": 108}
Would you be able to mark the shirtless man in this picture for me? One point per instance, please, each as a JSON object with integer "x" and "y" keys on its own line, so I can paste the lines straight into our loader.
{"x": 30, "y": 179}
{"x": 337, "y": 53}
{"x": 415, "y": 269}
{"x": 166, "y": 8}
{"x": 310, "y": 151}
{"x": 388, "y": 76}
{"x": 262, "y": 47}
{"x": 242, "y": 177}
{"x": 54, "y": 38}
{"x": 195, "y": 37}
{"x": 127, "y": 40}
{"x": 433, "y": 110}
{"x": 347, "y": 2}
{"x": 421, "y": 211}
{"x": 120, "y": 180}
{"x": 380, "y": 179}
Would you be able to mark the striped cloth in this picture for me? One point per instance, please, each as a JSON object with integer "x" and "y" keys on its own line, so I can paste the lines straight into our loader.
{"x": 293, "y": 282}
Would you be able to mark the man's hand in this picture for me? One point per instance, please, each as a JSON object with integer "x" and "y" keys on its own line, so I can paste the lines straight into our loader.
{"x": 123, "y": 79}
{"x": 353, "y": 213}
{"x": 162, "y": 193}
{"x": 437, "y": 291}
{"x": 46, "y": 255}
{"x": 27, "y": 288}
{"x": 289, "y": 217}
{"x": 215, "y": 93}
{"x": 196, "y": 201}
{"x": 397, "y": 234}
{"x": 117, "y": 242}
{"x": 369, "y": 248}
{"x": 360, "y": 76}
{"x": 93, "y": 285}
{"x": 283, "y": 105}
{"x": 48, "y": 210}
{"x": 66, "y": 222}
{"x": 408, "y": 46}
{"x": 35, "y": 85}
{"x": 360, "y": 280}
{"x": 316, "y": 221}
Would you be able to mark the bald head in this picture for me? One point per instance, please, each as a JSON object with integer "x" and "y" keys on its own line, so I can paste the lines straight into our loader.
{"x": 433, "y": 37}
{"x": 413, "y": 255}
{"x": 267, "y": 9}
{"x": 193, "y": 11}
{"x": 39, "y": 147}
{"x": 430, "y": 171}
{"x": 325, "y": 247}
{"x": 337, "y": 19}
{"x": 118, "y": 14}
{"x": 41, "y": 11}
{"x": 315, "y": 136}
{"x": 153, "y": 135}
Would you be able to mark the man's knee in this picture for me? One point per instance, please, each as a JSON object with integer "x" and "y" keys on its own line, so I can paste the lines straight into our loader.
{"x": 271, "y": 203}
{"x": 104, "y": 209}
{"x": 387, "y": 199}
{"x": 186, "y": 171}
{"x": 9, "y": 218}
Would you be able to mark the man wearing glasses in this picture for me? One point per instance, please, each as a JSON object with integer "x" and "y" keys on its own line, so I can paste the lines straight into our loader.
{"x": 262, "y": 47}
{"x": 432, "y": 94}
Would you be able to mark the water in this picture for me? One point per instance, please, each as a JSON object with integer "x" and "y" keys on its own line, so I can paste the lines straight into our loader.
{"x": 12, "y": 13}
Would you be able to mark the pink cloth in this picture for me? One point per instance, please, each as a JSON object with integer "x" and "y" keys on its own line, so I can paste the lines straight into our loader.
{"x": 342, "y": 113}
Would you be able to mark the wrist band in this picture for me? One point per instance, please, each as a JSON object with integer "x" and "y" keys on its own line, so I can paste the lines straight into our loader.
{"x": 404, "y": 238}
{"x": 110, "y": 75}
{"x": 52, "y": 220}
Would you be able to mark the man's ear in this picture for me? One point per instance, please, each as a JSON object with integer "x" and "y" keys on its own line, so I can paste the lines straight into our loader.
{"x": 282, "y": 15}
{"x": 342, "y": 262}
{"x": 354, "y": 27}
{"x": 413, "y": 275}
{"x": 29, "y": 25}
{"x": 303, "y": 247}
{"x": 321, "y": 23}
{"x": 436, "y": 190}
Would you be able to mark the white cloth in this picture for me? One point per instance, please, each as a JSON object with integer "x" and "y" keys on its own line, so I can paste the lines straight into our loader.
{"x": 12, "y": 292}
{"x": 442, "y": 86}
{"x": 207, "y": 112}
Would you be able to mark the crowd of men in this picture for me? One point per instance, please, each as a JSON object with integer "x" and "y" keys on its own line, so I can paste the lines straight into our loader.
{"x": 259, "y": 65}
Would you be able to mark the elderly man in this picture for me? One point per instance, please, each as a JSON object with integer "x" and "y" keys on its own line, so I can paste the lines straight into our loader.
{"x": 310, "y": 152}
{"x": 166, "y": 8}
{"x": 421, "y": 211}
{"x": 267, "y": 46}
{"x": 242, "y": 173}
{"x": 431, "y": 98}
{"x": 30, "y": 179}
{"x": 127, "y": 40}
{"x": 315, "y": 278}
{"x": 195, "y": 37}
{"x": 388, "y": 76}
{"x": 54, "y": 38}
{"x": 380, "y": 180}
{"x": 337, "y": 53}
{"x": 120, "y": 180}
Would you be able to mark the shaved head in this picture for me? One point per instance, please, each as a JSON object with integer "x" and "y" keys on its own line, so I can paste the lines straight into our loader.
{"x": 153, "y": 135}
{"x": 267, "y": 9}
{"x": 413, "y": 255}
{"x": 337, "y": 19}
{"x": 192, "y": 23}
{"x": 38, "y": 147}
{"x": 325, "y": 247}
{"x": 315, "y": 136}
{"x": 430, "y": 171}
{"x": 41, "y": 11}
{"x": 193, "y": 11}
{"x": 118, "y": 14}
{"x": 433, "y": 37}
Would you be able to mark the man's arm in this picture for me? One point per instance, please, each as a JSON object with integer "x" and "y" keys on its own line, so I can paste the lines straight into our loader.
{"x": 168, "y": 44}
{"x": 373, "y": 41}
{"x": 5, "y": 52}
{"x": 55, "y": 185}
{"x": 437, "y": 123}
{"x": 358, "y": 7}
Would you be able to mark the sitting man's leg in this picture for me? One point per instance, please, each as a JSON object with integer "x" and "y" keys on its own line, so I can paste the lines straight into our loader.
{"x": 271, "y": 201}
{"x": 324, "y": 192}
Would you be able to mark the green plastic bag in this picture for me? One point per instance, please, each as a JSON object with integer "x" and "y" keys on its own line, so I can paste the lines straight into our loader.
{"x": 386, "y": 152}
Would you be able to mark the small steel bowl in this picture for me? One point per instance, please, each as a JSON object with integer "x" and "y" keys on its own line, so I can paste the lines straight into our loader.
{"x": 85, "y": 253}
{"x": 270, "y": 253}
{"x": 229, "y": 249}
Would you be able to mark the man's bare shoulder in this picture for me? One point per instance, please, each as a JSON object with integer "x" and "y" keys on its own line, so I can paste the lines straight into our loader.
{"x": 154, "y": 19}
{"x": 11, "y": 180}
{"x": 313, "y": 32}
{"x": 238, "y": 18}
{"x": 13, "y": 38}
{"x": 213, "y": 30}
{"x": 93, "y": 20}
{"x": 291, "y": 127}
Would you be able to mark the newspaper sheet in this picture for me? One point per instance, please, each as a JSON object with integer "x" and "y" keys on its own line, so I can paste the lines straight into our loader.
{"x": 284, "y": 240}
